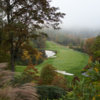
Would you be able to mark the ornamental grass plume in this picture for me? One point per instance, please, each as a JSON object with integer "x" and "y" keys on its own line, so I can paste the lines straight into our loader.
{"x": 8, "y": 92}
{"x": 5, "y": 75}
{"x": 3, "y": 66}
{"x": 25, "y": 92}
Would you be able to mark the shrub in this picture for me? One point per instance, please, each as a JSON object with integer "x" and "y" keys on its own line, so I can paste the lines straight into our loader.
{"x": 50, "y": 92}
{"x": 4, "y": 57}
{"x": 29, "y": 74}
{"x": 60, "y": 81}
{"x": 21, "y": 79}
{"x": 47, "y": 74}
{"x": 84, "y": 90}
{"x": 95, "y": 72}
{"x": 75, "y": 80}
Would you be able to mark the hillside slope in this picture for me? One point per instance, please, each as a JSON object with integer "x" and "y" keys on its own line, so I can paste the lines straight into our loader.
{"x": 67, "y": 59}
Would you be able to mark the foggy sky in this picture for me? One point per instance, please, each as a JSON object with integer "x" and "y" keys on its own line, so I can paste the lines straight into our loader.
{"x": 80, "y": 14}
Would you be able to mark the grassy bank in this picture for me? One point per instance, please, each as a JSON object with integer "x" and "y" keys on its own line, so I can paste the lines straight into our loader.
{"x": 67, "y": 59}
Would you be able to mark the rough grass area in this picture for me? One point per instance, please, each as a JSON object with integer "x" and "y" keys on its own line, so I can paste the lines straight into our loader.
{"x": 67, "y": 59}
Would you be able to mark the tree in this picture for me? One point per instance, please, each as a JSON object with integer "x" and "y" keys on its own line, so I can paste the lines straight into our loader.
{"x": 1, "y": 25}
{"x": 47, "y": 74}
{"x": 41, "y": 40}
{"x": 88, "y": 46}
{"x": 25, "y": 15}
{"x": 92, "y": 47}
{"x": 96, "y": 48}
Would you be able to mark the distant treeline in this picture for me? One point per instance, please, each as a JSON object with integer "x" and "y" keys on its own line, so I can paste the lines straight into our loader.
{"x": 91, "y": 46}
{"x": 66, "y": 39}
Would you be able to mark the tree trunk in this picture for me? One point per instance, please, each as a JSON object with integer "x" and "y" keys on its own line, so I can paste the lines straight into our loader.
{"x": 12, "y": 59}
{"x": 0, "y": 38}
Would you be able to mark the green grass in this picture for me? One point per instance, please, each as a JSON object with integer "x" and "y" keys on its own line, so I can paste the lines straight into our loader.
{"x": 20, "y": 68}
{"x": 67, "y": 59}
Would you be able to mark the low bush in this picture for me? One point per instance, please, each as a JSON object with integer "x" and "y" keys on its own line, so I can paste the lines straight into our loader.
{"x": 4, "y": 57}
{"x": 22, "y": 79}
{"x": 83, "y": 90}
{"x": 29, "y": 75}
{"x": 94, "y": 73}
{"x": 50, "y": 92}
{"x": 60, "y": 81}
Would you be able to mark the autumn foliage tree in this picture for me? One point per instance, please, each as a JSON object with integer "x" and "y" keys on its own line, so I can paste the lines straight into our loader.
{"x": 88, "y": 45}
{"x": 96, "y": 48}
{"x": 24, "y": 16}
{"x": 30, "y": 53}
{"x": 47, "y": 75}
{"x": 92, "y": 47}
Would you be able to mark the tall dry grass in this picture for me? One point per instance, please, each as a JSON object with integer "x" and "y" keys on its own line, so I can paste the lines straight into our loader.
{"x": 3, "y": 66}
{"x": 5, "y": 75}
{"x": 25, "y": 92}
{"x": 8, "y": 92}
